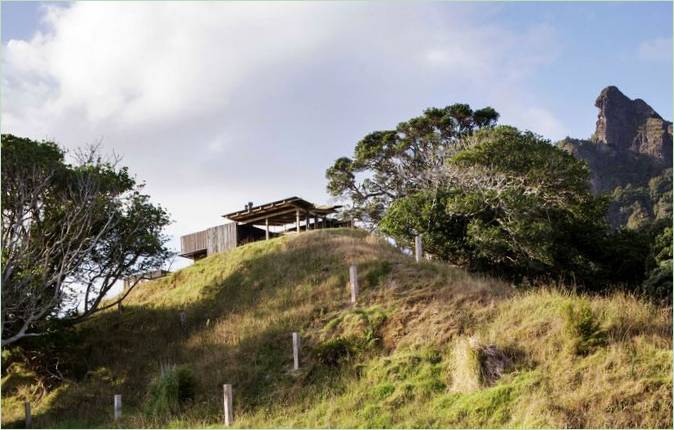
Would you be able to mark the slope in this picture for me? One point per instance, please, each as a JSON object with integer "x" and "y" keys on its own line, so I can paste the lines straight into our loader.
{"x": 427, "y": 345}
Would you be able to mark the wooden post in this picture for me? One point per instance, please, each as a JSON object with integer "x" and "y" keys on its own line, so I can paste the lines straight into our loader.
{"x": 353, "y": 280}
{"x": 118, "y": 406}
{"x": 297, "y": 219}
{"x": 418, "y": 248}
{"x": 229, "y": 416}
{"x": 307, "y": 217}
{"x": 266, "y": 225}
{"x": 29, "y": 416}
{"x": 296, "y": 351}
{"x": 324, "y": 222}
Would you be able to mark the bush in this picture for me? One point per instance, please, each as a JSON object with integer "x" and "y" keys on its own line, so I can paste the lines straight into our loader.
{"x": 509, "y": 204}
{"x": 334, "y": 352}
{"x": 583, "y": 330}
{"x": 170, "y": 390}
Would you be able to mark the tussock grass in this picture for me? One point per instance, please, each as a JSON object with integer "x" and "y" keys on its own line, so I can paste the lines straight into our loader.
{"x": 400, "y": 358}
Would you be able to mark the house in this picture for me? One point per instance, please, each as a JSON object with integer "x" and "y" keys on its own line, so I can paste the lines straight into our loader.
{"x": 253, "y": 223}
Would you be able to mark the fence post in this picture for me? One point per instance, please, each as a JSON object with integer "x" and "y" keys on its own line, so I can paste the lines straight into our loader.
{"x": 296, "y": 350}
{"x": 418, "y": 248}
{"x": 229, "y": 416}
{"x": 353, "y": 280}
{"x": 118, "y": 406}
{"x": 29, "y": 416}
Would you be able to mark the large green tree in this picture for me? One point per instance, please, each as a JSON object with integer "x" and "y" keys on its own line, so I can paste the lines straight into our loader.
{"x": 509, "y": 203}
{"x": 391, "y": 164}
{"x": 70, "y": 232}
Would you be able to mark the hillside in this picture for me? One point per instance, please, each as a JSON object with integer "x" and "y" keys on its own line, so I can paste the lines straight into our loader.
{"x": 428, "y": 345}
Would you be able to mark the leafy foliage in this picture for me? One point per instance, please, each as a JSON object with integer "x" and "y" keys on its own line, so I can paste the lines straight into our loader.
{"x": 69, "y": 233}
{"x": 391, "y": 164}
{"x": 511, "y": 204}
{"x": 658, "y": 284}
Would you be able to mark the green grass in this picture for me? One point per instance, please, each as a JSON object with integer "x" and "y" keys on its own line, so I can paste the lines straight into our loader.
{"x": 400, "y": 358}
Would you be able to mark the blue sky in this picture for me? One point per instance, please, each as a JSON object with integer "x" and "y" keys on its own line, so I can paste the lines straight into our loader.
{"x": 197, "y": 96}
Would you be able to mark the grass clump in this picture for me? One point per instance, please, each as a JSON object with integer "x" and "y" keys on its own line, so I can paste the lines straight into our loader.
{"x": 582, "y": 328}
{"x": 476, "y": 365}
{"x": 170, "y": 391}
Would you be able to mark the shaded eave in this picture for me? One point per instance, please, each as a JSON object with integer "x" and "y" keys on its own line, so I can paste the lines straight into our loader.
{"x": 280, "y": 212}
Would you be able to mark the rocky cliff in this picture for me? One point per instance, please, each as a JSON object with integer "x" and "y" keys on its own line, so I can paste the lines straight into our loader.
{"x": 630, "y": 158}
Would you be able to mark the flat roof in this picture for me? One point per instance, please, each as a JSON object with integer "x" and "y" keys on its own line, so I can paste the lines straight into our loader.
{"x": 280, "y": 212}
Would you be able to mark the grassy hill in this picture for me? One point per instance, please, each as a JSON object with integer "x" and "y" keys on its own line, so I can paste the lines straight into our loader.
{"x": 427, "y": 345}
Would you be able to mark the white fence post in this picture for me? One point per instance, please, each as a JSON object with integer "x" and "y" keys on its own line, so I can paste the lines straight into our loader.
{"x": 353, "y": 280}
{"x": 418, "y": 248}
{"x": 296, "y": 351}
{"x": 118, "y": 406}
{"x": 29, "y": 416}
{"x": 229, "y": 416}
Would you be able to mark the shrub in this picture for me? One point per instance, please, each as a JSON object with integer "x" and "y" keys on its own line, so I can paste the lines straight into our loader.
{"x": 334, "y": 352}
{"x": 170, "y": 390}
{"x": 583, "y": 330}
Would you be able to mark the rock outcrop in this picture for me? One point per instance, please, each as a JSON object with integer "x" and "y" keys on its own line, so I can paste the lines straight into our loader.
{"x": 632, "y": 125}
{"x": 630, "y": 157}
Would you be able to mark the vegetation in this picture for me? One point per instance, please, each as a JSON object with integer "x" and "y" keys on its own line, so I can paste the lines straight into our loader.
{"x": 390, "y": 164}
{"x": 69, "y": 233}
{"x": 170, "y": 391}
{"x": 427, "y": 345}
{"x": 511, "y": 204}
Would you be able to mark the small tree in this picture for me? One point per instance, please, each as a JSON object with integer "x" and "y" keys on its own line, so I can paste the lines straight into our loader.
{"x": 69, "y": 234}
{"x": 391, "y": 164}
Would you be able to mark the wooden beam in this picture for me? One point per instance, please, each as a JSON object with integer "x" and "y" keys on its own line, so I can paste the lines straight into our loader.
{"x": 271, "y": 216}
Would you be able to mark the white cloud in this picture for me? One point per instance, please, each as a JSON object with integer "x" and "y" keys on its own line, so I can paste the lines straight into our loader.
{"x": 215, "y": 104}
{"x": 658, "y": 49}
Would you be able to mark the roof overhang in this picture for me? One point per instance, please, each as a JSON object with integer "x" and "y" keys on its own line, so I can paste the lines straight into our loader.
{"x": 280, "y": 212}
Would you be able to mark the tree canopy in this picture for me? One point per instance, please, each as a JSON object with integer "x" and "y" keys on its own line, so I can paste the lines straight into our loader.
{"x": 509, "y": 203}
{"x": 391, "y": 164}
{"x": 69, "y": 234}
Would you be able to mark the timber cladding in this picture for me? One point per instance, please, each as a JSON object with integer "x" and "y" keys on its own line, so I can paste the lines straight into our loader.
{"x": 221, "y": 238}
{"x": 218, "y": 239}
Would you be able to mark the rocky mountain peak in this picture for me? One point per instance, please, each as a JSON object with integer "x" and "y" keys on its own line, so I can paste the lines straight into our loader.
{"x": 632, "y": 125}
{"x": 630, "y": 158}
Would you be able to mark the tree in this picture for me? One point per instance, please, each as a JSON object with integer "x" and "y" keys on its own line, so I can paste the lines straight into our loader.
{"x": 511, "y": 204}
{"x": 391, "y": 164}
{"x": 69, "y": 234}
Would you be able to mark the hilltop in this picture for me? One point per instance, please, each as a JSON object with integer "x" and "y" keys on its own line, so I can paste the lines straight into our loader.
{"x": 427, "y": 345}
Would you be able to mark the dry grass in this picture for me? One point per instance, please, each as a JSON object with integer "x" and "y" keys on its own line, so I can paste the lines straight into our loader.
{"x": 401, "y": 357}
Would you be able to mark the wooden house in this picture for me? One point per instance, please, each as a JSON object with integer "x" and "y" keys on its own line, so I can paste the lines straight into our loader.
{"x": 258, "y": 223}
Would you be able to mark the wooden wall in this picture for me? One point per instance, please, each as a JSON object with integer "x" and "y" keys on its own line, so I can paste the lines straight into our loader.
{"x": 221, "y": 238}
{"x": 194, "y": 242}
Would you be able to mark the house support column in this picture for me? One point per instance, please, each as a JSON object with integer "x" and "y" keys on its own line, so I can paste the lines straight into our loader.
{"x": 297, "y": 219}
{"x": 266, "y": 225}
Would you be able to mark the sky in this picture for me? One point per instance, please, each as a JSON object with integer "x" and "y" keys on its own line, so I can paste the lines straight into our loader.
{"x": 216, "y": 104}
